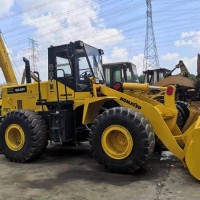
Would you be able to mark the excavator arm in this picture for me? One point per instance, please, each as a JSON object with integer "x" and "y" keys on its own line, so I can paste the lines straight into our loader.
{"x": 183, "y": 69}
{"x": 198, "y": 65}
{"x": 6, "y": 65}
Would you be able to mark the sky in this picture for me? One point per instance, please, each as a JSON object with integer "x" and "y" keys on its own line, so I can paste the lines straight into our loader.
{"x": 117, "y": 27}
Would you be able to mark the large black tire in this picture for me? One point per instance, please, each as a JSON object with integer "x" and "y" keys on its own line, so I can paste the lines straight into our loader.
{"x": 0, "y": 146}
{"x": 35, "y": 133}
{"x": 183, "y": 113}
{"x": 140, "y": 131}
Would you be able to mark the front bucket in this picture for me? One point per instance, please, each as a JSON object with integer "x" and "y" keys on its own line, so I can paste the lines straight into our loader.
{"x": 192, "y": 151}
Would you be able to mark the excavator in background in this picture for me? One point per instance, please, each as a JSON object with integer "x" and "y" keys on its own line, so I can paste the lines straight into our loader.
{"x": 187, "y": 89}
{"x": 7, "y": 68}
{"x": 5, "y": 64}
{"x": 197, "y": 81}
{"x": 164, "y": 77}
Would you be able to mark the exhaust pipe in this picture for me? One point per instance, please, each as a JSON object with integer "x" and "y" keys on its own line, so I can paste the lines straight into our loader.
{"x": 27, "y": 70}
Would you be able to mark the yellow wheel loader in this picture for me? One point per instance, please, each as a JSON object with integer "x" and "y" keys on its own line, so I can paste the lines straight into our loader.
{"x": 120, "y": 72}
{"x": 70, "y": 107}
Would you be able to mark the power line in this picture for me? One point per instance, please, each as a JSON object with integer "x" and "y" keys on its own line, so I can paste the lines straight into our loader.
{"x": 50, "y": 17}
{"x": 73, "y": 10}
{"x": 51, "y": 32}
{"x": 24, "y": 11}
{"x": 71, "y": 26}
{"x": 136, "y": 29}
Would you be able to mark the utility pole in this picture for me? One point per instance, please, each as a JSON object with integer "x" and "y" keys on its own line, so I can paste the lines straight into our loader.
{"x": 33, "y": 54}
{"x": 150, "y": 52}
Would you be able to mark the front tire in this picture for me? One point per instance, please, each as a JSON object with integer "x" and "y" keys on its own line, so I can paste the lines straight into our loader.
{"x": 23, "y": 136}
{"x": 121, "y": 140}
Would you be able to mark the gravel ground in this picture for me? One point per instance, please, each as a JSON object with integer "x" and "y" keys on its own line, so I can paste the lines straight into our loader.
{"x": 72, "y": 174}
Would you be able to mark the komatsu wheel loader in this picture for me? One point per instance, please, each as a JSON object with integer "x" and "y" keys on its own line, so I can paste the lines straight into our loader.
{"x": 68, "y": 108}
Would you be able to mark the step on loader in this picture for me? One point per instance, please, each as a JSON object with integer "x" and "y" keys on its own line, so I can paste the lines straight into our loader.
{"x": 75, "y": 105}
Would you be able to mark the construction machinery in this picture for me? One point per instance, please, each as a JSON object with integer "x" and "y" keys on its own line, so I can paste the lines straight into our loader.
{"x": 7, "y": 68}
{"x": 160, "y": 76}
{"x": 68, "y": 108}
{"x": 152, "y": 76}
{"x": 187, "y": 89}
{"x": 6, "y": 65}
{"x": 120, "y": 72}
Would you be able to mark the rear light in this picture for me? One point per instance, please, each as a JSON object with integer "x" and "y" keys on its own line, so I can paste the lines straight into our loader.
{"x": 117, "y": 86}
{"x": 170, "y": 90}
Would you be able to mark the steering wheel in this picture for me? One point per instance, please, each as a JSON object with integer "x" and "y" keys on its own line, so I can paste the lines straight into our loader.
{"x": 85, "y": 74}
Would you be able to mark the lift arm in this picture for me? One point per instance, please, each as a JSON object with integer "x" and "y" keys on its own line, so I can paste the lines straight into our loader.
{"x": 162, "y": 117}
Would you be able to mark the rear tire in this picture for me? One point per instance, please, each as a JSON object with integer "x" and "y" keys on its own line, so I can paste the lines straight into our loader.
{"x": 139, "y": 130}
{"x": 24, "y": 136}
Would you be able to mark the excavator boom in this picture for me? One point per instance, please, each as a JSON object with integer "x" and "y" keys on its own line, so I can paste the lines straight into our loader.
{"x": 198, "y": 65}
{"x": 6, "y": 65}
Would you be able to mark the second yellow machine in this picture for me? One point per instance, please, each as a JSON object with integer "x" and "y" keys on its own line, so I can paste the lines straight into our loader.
{"x": 74, "y": 105}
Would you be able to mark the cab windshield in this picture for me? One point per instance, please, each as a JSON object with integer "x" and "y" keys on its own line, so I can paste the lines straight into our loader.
{"x": 88, "y": 65}
{"x": 132, "y": 74}
{"x": 95, "y": 62}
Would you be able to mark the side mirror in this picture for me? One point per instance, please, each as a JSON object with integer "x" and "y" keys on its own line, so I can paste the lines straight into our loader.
{"x": 101, "y": 52}
{"x": 63, "y": 72}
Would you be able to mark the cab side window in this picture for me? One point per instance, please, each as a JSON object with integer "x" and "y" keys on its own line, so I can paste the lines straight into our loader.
{"x": 63, "y": 67}
{"x": 117, "y": 75}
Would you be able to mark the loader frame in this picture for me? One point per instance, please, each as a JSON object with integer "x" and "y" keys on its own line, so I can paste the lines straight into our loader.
{"x": 69, "y": 108}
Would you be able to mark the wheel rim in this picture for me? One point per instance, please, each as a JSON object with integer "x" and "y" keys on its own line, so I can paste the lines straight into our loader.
{"x": 117, "y": 142}
{"x": 14, "y": 137}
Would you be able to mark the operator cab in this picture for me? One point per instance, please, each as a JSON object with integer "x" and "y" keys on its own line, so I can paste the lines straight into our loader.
{"x": 74, "y": 65}
{"x": 152, "y": 76}
{"x": 120, "y": 72}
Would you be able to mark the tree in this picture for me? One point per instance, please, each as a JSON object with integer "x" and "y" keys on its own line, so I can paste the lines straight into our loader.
{"x": 192, "y": 76}
{"x": 141, "y": 78}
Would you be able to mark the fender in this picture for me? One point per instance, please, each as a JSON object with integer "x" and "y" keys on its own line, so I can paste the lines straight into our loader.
{"x": 92, "y": 107}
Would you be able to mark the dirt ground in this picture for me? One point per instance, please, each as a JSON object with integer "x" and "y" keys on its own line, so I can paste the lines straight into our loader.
{"x": 72, "y": 174}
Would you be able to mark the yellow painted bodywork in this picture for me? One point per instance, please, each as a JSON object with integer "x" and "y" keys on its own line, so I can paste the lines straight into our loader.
{"x": 117, "y": 142}
{"x": 48, "y": 93}
{"x": 192, "y": 157}
{"x": 183, "y": 144}
{"x": 162, "y": 117}
{"x": 163, "y": 128}
{"x": 92, "y": 107}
